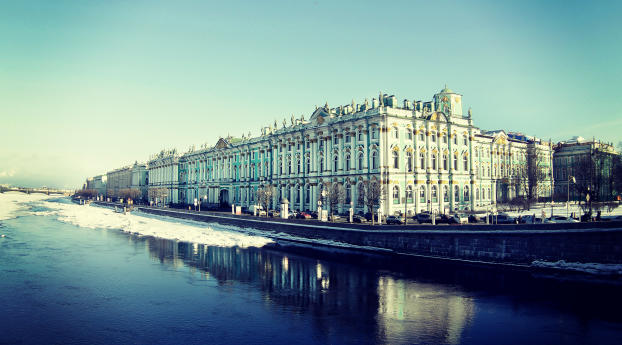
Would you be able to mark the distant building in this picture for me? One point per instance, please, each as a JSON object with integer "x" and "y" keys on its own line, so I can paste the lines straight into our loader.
{"x": 97, "y": 183}
{"x": 131, "y": 176}
{"x": 590, "y": 163}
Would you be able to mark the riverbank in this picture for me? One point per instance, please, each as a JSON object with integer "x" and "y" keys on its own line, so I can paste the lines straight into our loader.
{"x": 560, "y": 246}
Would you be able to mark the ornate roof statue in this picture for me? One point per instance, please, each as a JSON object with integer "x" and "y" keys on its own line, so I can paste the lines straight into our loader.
{"x": 366, "y": 103}
{"x": 275, "y": 125}
{"x": 469, "y": 112}
{"x": 292, "y": 119}
{"x": 380, "y": 99}
{"x": 284, "y": 123}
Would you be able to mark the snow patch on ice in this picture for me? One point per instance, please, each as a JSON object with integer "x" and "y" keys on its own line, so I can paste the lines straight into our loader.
{"x": 589, "y": 267}
{"x": 104, "y": 218}
{"x": 14, "y": 204}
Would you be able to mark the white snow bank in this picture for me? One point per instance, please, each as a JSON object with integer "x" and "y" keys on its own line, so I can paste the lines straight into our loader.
{"x": 104, "y": 218}
{"x": 592, "y": 268}
{"x": 13, "y": 204}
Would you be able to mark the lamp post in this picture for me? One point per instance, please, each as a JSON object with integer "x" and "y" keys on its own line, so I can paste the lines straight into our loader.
{"x": 570, "y": 179}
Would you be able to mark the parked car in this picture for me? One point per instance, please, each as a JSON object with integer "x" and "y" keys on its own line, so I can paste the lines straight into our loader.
{"x": 358, "y": 219}
{"x": 562, "y": 219}
{"x": 292, "y": 215}
{"x": 459, "y": 219}
{"x": 314, "y": 215}
{"x": 303, "y": 215}
{"x": 503, "y": 218}
{"x": 368, "y": 216}
{"x": 395, "y": 220}
{"x": 274, "y": 213}
{"x": 473, "y": 218}
{"x": 424, "y": 217}
{"x": 443, "y": 219}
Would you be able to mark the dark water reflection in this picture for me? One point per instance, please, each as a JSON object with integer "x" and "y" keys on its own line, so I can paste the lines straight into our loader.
{"x": 64, "y": 284}
{"x": 389, "y": 300}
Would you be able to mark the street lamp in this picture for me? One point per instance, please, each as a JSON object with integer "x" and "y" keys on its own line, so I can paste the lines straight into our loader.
{"x": 570, "y": 179}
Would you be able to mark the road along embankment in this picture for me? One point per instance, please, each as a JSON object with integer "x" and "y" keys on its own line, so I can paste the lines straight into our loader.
{"x": 507, "y": 244}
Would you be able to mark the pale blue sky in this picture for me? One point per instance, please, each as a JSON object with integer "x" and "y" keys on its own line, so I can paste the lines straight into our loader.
{"x": 88, "y": 86}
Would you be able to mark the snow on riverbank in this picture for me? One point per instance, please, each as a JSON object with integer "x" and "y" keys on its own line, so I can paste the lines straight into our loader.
{"x": 14, "y": 204}
{"x": 592, "y": 268}
{"x": 104, "y": 218}
{"x": 559, "y": 209}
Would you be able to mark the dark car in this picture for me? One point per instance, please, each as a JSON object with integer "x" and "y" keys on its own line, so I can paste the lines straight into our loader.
{"x": 424, "y": 217}
{"x": 368, "y": 216}
{"x": 395, "y": 220}
{"x": 474, "y": 218}
{"x": 502, "y": 218}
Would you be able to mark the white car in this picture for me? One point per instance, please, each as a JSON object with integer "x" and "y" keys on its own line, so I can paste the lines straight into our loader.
{"x": 460, "y": 218}
{"x": 562, "y": 219}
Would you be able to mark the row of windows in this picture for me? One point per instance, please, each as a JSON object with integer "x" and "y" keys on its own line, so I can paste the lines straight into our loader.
{"x": 434, "y": 194}
{"x": 433, "y": 136}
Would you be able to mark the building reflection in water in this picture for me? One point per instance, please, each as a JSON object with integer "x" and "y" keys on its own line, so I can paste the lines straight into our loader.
{"x": 357, "y": 301}
{"x": 413, "y": 312}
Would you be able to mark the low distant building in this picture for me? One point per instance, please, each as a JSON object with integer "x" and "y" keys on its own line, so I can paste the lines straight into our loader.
{"x": 129, "y": 177}
{"x": 582, "y": 165}
{"x": 97, "y": 183}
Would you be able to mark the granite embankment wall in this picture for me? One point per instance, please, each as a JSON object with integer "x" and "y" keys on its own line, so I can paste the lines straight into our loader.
{"x": 510, "y": 244}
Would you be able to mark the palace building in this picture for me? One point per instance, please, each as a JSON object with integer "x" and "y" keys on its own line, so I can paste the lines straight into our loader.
{"x": 426, "y": 155}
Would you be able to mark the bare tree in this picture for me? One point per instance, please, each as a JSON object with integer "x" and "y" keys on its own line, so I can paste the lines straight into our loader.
{"x": 336, "y": 195}
{"x": 86, "y": 193}
{"x": 373, "y": 196}
{"x": 129, "y": 194}
{"x": 536, "y": 174}
{"x": 158, "y": 193}
{"x": 264, "y": 197}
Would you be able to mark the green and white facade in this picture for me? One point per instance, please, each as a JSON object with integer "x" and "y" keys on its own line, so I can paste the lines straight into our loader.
{"x": 427, "y": 155}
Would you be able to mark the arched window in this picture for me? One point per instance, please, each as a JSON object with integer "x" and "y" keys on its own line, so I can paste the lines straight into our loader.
{"x": 409, "y": 161}
{"x": 396, "y": 195}
{"x": 455, "y": 139}
{"x": 281, "y": 166}
{"x": 422, "y": 194}
{"x": 409, "y": 194}
{"x": 465, "y": 161}
{"x": 289, "y": 165}
{"x": 308, "y": 194}
{"x": 455, "y": 162}
{"x": 421, "y": 160}
{"x": 335, "y": 163}
{"x": 347, "y": 162}
{"x": 396, "y": 133}
{"x": 360, "y": 136}
{"x": 477, "y": 194}
{"x": 434, "y": 194}
{"x": 409, "y": 134}
{"x": 374, "y": 133}
{"x": 444, "y": 138}
{"x": 421, "y": 136}
{"x": 297, "y": 191}
{"x": 466, "y": 193}
{"x": 396, "y": 160}
{"x": 433, "y": 136}
{"x": 299, "y": 164}
{"x": 445, "y": 194}
{"x": 444, "y": 161}
{"x": 348, "y": 193}
{"x": 456, "y": 194}
{"x": 434, "y": 161}
{"x": 307, "y": 165}
{"x": 321, "y": 163}
{"x": 361, "y": 194}
{"x": 374, "y": 160}
{"x": 360, "y": 161}
{"x": 465, "y": 140}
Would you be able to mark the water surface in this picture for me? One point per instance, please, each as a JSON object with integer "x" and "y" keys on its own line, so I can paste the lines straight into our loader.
{"x": 62, "y": 282}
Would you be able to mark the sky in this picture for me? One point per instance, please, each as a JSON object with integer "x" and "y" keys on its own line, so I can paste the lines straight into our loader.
{"x": 90, "y": 86}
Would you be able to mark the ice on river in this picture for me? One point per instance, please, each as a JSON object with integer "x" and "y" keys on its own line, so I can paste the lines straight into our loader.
{"x": 14, "y": 204}
{"x": 95, "y": 217}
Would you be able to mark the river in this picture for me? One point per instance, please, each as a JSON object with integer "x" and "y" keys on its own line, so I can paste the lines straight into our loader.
{"x": 73, "y": 274}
